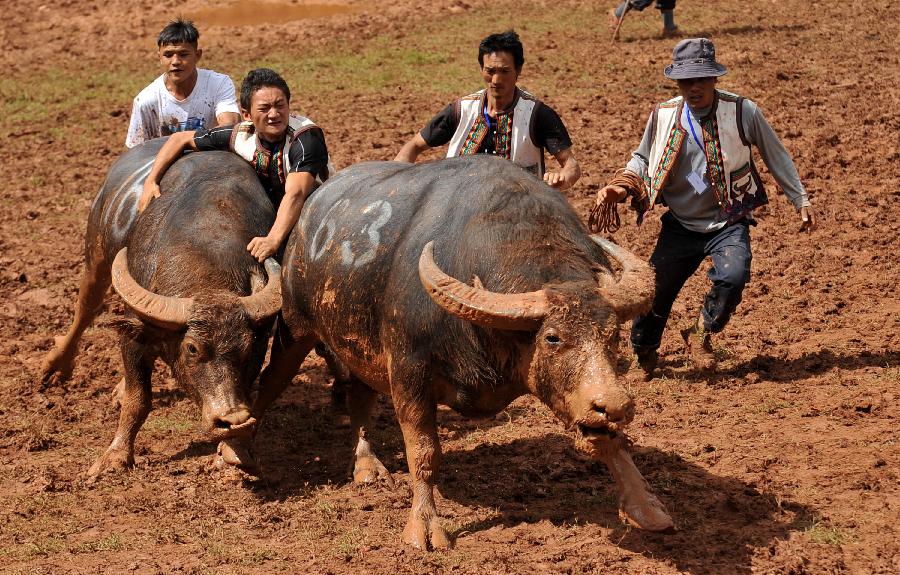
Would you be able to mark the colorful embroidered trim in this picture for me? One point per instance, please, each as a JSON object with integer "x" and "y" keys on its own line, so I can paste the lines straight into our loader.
{"x": 715, "y": 167}
{"x": 479, "y": 130}
{"x": 669, "y": 156}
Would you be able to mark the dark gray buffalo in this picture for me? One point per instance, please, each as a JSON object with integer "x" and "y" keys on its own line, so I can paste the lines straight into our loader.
{"x": 464, "y": 282}
{"x": 196, "y": 297}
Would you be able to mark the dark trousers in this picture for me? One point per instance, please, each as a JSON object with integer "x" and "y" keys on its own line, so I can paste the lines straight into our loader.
{"x": 678, "y": 253}
{"x": 660, "y": 4}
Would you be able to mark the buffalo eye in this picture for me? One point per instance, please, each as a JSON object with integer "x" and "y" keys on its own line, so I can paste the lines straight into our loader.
{"x": 552, "y": 338}
{"x": 192, "y": 349}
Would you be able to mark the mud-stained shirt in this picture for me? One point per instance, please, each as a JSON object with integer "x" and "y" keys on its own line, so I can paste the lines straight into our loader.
{"x": 156, "y": 112}
{"x": 548, "y": 129}
{"x": 308, "y": 153}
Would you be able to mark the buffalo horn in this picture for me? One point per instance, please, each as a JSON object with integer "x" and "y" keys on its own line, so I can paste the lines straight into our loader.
{"x": 633, "y": 293}
{"x": 265, "y": 303}
{"x": 520, "y": 311}
{"x": 162, "y": 311}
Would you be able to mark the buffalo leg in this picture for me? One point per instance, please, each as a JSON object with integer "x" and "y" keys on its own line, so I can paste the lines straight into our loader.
{"x": 59, "y": 361}
{"x": 417, "y": 413}
{"x": 366, "y": 466}
{"x": 638, "y": 506}
{"x": 135, "y": 406}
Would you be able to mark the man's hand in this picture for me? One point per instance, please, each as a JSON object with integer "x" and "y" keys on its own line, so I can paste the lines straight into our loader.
{"x": 150, "y": 193}
{"x": 611, "y": 195}
{"x": 809, "y": 219}
{"x": 262, "y": 247}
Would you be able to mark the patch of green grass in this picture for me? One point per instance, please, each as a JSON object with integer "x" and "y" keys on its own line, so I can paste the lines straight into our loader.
{"x": 820, "y": 531}
{"x": 110, "y": 543}
{"x": 772, "y": 405}
{"x": 167, "y": 424}
{"x": 348, "y": 542}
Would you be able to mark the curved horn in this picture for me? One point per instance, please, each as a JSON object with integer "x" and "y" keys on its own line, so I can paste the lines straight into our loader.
{"x": 633, "y": 293}
{"x": 265, "y": 303}
{"x": 162, "y": 311}
{"x": 519, "y": 311}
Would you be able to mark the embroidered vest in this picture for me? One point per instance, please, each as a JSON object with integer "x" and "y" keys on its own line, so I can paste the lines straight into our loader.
{"x": 246, "y": 144}
{"x": 729, "y": 166}
{"x": 513, "y": 140}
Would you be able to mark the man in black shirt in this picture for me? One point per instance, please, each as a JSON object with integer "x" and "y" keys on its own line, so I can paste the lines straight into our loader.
{"x": 288, "y": 153}
{"x": 501, "y": 119}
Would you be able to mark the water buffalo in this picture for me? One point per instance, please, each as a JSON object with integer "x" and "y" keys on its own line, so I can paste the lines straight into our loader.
{"x": 195, "y": 296}
{"x": 464, "y": 282}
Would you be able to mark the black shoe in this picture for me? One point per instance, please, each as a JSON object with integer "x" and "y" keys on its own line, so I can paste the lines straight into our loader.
{"x": 647, "y": 360}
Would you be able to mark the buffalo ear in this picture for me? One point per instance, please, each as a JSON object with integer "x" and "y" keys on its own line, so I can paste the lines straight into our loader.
{"x": 129, "y": 327}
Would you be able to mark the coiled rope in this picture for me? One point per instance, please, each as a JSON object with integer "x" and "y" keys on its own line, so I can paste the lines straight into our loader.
{"x": 604, "y": 217}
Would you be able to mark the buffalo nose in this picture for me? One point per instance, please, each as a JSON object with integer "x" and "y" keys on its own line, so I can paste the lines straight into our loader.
{"x": 615, "y": 407}
{"x": 227, "y": 421}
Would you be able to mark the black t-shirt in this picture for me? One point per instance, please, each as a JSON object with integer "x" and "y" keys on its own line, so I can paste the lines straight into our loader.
{"x": 547, "y": 129}
{"x": 308, "y": 153}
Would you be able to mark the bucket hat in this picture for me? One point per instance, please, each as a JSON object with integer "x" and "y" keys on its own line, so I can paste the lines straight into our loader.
{"x": 694, "y": 58}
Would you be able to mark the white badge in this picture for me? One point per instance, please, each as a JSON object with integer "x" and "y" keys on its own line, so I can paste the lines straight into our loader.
{"x": 696, "y": 180}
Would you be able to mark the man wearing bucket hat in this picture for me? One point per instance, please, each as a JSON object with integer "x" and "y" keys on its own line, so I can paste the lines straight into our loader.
{"x": 695, "y": 157}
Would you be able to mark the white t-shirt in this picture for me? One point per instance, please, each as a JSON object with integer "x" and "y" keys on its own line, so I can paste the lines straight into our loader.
{"x": 157, "y": 113}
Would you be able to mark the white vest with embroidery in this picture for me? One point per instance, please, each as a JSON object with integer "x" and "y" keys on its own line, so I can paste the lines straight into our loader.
{"x": 523, "y": 151}
{"x": 245, "y": 143}
{"x": 743, "y": 189}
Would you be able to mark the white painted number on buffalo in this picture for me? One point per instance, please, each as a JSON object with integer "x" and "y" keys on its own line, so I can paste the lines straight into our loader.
{"x": 380, "y": 213}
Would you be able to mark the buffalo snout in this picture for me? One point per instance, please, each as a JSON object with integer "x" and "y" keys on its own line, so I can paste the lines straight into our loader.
{"x": 231, "y": 423}
{"x": 605, "y": 410}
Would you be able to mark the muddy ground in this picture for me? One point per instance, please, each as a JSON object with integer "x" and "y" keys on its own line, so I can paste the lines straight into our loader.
{"x": 784, "y": 461}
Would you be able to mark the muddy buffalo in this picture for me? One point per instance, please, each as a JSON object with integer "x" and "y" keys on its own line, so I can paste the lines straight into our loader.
{"x": 464, "y": 282}
{"x": 195, "y": 297}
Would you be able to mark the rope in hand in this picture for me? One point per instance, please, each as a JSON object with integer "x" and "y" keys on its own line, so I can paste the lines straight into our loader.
{"x": 604, "y": 217}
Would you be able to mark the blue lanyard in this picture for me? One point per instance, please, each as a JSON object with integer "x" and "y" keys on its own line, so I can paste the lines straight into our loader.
{"x": 687, "y": 113}
{"x": 487, "y": 118}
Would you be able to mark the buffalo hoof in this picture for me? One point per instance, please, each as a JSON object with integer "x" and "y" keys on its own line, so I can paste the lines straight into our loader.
{"x": 112, "y": 461}
{"x": 647, "y": 513}
{"x": 238, "y": 454}
{"x": 369, "y": 470}
{"x": 57, "y": 367}
{"x": 430, "y": 537}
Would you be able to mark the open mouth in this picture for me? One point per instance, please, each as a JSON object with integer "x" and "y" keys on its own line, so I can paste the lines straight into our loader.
{"x": 596, "y": 433}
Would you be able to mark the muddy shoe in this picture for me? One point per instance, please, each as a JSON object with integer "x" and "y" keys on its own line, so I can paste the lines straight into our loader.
{"x": 647, "y": 360}
{"x": 673, "y": 32}
{"x": 699, "y": 346}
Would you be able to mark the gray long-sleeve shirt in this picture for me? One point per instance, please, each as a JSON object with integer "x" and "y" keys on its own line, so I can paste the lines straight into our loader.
{"x": 701, "y": 212}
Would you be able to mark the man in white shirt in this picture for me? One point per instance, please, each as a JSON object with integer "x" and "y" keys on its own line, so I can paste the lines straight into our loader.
{"x": 184, "y": 97}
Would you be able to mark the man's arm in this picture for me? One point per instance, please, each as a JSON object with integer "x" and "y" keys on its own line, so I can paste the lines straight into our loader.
{"x": 171, "y": 151}
{"x": 228, "y": 119}
{"x": 297, "y": 188}
{"x": 227, "y": 110}
{"x": 411, "y": 149}
{"x": 777, "y": 159}
{"x": 568, "y": 173}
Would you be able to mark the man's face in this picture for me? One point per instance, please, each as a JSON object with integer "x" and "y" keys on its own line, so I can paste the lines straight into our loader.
{"x": 698, "y": 92}
{"x": 179, "y": 61}
{"x": 500, "y": 74}
{"x": 270, "y": 112}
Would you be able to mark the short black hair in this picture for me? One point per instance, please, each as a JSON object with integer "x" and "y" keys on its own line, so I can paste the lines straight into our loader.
{"x": 262, "y": 78}
{"x": 179, "y": 31}
{"x": 506, "y": 42}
